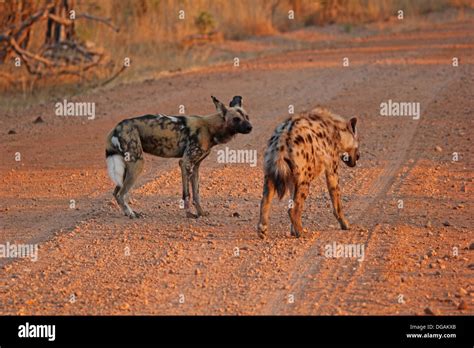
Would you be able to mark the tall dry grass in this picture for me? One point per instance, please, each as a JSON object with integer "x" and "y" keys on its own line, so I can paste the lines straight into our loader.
{"x": 158, "y": 20}
{"x": 152, "y": 31}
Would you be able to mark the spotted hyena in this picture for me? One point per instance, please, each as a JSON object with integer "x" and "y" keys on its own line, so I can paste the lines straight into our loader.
{"x": 301, "y": 148}
{"x": 187, "y": 137}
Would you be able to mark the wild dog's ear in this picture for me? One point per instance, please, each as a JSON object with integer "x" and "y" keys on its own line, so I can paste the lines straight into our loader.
{"x": 352, "y": 125}
{"x": 219, "y": 106}
{"x": 236, "y": 101}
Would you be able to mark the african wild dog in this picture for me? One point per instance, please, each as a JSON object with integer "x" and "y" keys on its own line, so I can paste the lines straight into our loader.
{"x": 187, "y": 137}
{"x": 301, "y": 148}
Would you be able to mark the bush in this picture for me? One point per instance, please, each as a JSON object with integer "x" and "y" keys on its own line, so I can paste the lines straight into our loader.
{"x": 205, "y": 23}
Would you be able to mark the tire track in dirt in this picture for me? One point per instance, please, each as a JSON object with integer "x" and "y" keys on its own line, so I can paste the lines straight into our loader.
{"x": 188, "y": 281}
{"x": 249, "y": 261}
{"x": 223, "y": 255}
{"x": 324, "y": 300}
{"x": 263, "y": 250}
{"x": 355, "y": 292}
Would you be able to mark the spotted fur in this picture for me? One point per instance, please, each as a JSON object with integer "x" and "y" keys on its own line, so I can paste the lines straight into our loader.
{"x": 300, "y": 149}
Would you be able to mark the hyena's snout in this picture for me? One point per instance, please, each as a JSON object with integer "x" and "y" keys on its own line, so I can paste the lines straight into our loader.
{"x": 351, "y": 158}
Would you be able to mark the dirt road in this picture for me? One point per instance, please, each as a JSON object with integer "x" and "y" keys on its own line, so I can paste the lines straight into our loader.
{"x": 409, "y": 200}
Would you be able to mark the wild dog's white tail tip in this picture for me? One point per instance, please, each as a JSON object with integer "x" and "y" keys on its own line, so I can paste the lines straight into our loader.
{"x": 116, "y": 169}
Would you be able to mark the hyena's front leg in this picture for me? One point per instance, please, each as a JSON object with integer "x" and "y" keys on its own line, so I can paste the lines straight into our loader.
{"x": 265, "y": 204}
{"x": 299, "y": 196}
{"x": 332, "y": 180}
{"x": 186, "y": 171}
{"x": 195, "y": 187}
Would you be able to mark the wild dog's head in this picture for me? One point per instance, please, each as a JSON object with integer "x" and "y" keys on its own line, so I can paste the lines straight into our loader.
{"x": 235, "y": 117}
{"x": 350, "y": 143}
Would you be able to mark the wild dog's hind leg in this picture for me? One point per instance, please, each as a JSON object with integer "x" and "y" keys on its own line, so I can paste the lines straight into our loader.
{"x": 265, "y": 204}
{"x": 132, "y": 171}
{"x": 299, "y": 197}
{"x": 133, "y": 158}
{"x": 116, "y": 190}
{"x": 332, "y": 180}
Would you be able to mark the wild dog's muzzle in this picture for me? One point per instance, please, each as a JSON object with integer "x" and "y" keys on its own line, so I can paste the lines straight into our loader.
{"x": 245, "y": 128}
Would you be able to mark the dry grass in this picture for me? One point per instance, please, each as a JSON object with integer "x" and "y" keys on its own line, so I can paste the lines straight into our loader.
{"x": 152, "y": 32}
{"x": 363, "y": 11}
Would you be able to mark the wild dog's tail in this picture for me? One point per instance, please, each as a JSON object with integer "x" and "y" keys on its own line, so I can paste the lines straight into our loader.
{"x": 278, "y": 166}
{"x": 115, "y": 160}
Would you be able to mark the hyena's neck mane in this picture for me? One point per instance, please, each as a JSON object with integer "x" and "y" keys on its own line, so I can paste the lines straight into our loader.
{"x": 218, "y": 130}
{"x": 335, "y": 125}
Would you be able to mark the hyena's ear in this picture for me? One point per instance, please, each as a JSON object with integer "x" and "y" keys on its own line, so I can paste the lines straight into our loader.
{"x": 236, "y": 101}
{"x": 219, "y": 106}
{"x": 352, "y": 125}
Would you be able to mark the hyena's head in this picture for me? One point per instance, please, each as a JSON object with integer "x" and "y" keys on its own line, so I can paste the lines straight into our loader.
{"x": 350, "y": 143}
{"x": 235, "y": 117}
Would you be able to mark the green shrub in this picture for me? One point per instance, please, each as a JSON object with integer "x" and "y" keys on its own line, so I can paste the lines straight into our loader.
{"x": 205, "y": 22}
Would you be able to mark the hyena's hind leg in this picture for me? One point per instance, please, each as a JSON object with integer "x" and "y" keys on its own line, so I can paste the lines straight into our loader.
{"x": 132, "y": 171}
{"x": 265, "y": 204}
{"x": 299, "y": 196}
{"x": 332, "y": 180}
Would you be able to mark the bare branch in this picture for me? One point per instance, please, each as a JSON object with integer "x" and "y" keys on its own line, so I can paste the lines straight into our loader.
{"x": 106, "y": 21}
{"x": 67, "y": 22}
{"x": 62, "y": 54}
{"x": 113, "y": 77}
{"x": 28, "y": 54}
{"x": 60, "y": 20}
{"x": 41, "y": 14}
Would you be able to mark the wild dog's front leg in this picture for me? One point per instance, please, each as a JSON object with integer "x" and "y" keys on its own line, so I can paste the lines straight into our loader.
{"x": 195, "y": 187}
{"x": 332, "y": 180}
{"x": 186, "y": 171}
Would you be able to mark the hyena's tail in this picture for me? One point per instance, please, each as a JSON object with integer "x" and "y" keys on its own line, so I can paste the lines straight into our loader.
{"x": 278, "y": 166}
{"x": 115, "y": 160}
